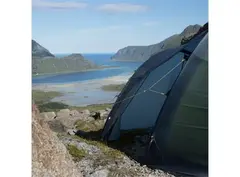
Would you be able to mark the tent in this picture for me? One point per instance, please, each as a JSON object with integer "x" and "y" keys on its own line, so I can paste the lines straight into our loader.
{"x": 168, "y": 96}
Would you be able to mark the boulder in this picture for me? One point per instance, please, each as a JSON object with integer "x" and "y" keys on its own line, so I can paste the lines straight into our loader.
{"x": 86, "y": 112}
{"x": 71, "y": 131}
{"x": 108, "y": 109}
{"x": 74, "y": 113}
{"x": 103, "y": 113}
{"x": 100, "y": 173}
{"x": 48, "y": 115}
{"x": 68, "y": 122}
{"x": 56, "y": 126}
{"x": 63, "y": 113}
{"x": 65, "y": 110}
{"x": 96, "y": 115}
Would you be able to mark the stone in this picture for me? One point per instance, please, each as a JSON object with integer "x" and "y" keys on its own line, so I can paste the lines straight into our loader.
{"x": 86, "y": 112}
{"x": 65, "y": 110}
{"x": 103, "y": 113}
{"x": 108, "y": 109}
{"x": 100, "y": 173}
{"x": 74, "y": 113}
{"x": 71, "y": 131}
{"x": 90, "y": 119}
{"x": 56, "y": 126}
{"x": 63, "y": 113}
{"x": 87, "y": 147}
{"x": 48, "y": 115}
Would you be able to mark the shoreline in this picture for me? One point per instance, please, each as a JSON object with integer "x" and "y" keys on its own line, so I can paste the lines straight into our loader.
{"x": 119, "y": 79}
{"x": 83, "y": 93}
{"x": 70, "y": 72}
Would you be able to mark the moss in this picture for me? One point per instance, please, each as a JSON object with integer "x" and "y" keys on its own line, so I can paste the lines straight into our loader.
{"x": 76, "y": 153}
{"x": 52, "y": 107}
{"x": 93, "y": 107}
{"x": 108, "y": 151}
{"x": 113, "y": 87}
{"x": 41, "y": 97}
{"x": 87, "y": 126}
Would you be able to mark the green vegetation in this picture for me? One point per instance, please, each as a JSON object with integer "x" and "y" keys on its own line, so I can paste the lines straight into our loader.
{"x": 76, "y": 153}
{"x": 108, "y": 151}
{"x": 41, "y": 97}
{"x": 42, "y": 100}
{"x": 93, "y": 107}
{"x": 52, "y": 107}
{"x": 113, "y": 87}
{"x": 88, "y": 126}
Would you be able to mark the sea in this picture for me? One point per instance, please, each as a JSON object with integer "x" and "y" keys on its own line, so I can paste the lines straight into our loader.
{"x": 77, "y": 95}
{"x": 118, "y": 68}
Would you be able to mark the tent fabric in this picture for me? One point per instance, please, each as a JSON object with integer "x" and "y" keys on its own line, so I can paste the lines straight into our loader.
{"x": 168, "y": 94}
{"x": 182, "y": 127}
{"x": 134, "y": 83}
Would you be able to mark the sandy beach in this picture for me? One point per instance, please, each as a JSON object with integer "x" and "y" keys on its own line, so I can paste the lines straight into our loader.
{"x": 84, "y": 93}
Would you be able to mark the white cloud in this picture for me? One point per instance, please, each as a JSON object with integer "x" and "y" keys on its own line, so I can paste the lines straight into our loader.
{"x": 58, "y": 5}
{"x": 151, "y": 23}
{"x": 122, "y": 7}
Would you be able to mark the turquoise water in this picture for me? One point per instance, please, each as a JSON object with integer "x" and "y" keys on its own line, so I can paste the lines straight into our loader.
{"x": 123, "y": 68}
{"x": 85, "y": 94}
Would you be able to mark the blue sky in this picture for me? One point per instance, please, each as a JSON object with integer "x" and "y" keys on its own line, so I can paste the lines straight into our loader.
{"x": 105, "y": 26}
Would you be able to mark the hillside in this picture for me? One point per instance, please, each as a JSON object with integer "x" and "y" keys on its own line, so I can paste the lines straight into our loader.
{"x": 40, "y": 51}
{"x": 143, "y": 53}
{"x": 43, "y": 62}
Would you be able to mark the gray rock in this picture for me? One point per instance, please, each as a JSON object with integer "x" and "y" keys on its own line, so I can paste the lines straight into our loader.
{"x": 86, "y": 112}
{"x": 56, "y": 126}
{"x": 40, "y": 51}
{"x": 89, "y": 148}
{"x": 89, "y": 119}
{"x": 63, "y": 113}
{"x": 65, "y": 110}
{"x": 74, "y": 113}
{"x": 100, "y": 173}
{"x": 48, "y": 115}
{"x": 103, "y": 113}
{"x": 108, "y": 109}
{"x": 71, "y": 131}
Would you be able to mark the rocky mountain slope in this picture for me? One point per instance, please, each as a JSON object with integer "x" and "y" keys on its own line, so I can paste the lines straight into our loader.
{"x": 143, "y": 53}
{"x": 43, "y": 62}
{"x": 49, "y": 155}
{"x": 80, "y": 132}
{"x": 40, "y": 51}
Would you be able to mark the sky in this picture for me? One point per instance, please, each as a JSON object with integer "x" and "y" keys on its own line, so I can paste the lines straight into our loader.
{"x": 105, "y": 26}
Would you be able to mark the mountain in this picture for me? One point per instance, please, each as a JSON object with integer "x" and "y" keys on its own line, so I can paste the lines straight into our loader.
{"x": 143, "y": 53}
{"x": 43, "y": 62}
{"x": 40, "y": 51}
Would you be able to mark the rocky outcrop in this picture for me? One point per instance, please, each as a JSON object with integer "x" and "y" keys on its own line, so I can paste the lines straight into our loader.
{"x": 40, "y": 51}
{"x": 49, "y": 155}
{"x": 143, "y": 53}
{"x": 91, "y": 157}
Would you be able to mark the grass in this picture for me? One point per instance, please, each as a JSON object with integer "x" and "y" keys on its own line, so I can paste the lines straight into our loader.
{"x": 89, "y": 126}
{"x": 42, "y": 100}
{"x": 41, "y": 97}
{"x": 76, "y": 153}
{"x": 108, "y": 151}
{"x": 113, "y": 87}
{"x": 93, "y": 107}
{"x": 52, "y": 107}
